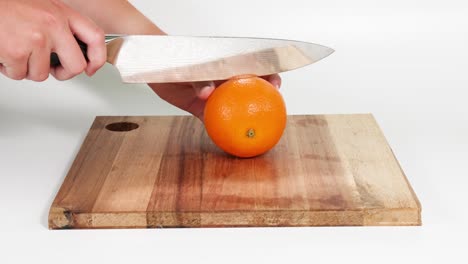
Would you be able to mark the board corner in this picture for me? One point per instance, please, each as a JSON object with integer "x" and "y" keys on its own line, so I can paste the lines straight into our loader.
{"x": 59, "y": 218}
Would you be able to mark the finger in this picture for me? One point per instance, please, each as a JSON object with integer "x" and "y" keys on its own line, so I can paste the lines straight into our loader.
{"x": 71, "y": 58}
{"x": 93, "y": 36}
{"x": 39, "y": 65}
{"x": 203, "y": 89}
{"x": 274, "y": 79}
{"x": 17, "y": 70}
{"x": 219, "y": 82}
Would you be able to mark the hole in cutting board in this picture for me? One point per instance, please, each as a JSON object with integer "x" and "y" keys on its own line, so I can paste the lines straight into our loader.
{"x": 122, "y": 126}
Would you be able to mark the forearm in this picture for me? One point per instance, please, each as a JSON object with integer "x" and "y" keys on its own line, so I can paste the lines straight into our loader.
{"x": 115, "y": 16}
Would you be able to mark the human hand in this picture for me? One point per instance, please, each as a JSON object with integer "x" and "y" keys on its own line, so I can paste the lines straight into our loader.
{"x": 192, "y": 97}
{"x": 30, "y": 30}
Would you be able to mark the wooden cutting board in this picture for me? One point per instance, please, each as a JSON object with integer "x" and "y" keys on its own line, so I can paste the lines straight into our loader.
{"x": 140, "y": 172}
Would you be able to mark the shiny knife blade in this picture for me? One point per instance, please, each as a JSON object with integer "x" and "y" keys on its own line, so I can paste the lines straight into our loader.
{"x": 162, "y": 59}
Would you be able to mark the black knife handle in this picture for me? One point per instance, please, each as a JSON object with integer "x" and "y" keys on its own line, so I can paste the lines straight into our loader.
{"x": 54, "y": 58}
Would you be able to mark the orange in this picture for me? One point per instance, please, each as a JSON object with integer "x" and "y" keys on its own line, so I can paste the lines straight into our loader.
{"x": 245, "y": 116}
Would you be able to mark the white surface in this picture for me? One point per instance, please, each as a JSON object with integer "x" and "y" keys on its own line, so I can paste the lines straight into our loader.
{"x": 404, "y": 61}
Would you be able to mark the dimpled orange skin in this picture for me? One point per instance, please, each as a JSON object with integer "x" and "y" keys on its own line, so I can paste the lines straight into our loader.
{"x": 245, "y": 116}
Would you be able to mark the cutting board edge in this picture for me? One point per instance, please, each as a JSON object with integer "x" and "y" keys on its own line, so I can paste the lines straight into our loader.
{"x": 409, "y": 186}
{"x": 60, "y": 218}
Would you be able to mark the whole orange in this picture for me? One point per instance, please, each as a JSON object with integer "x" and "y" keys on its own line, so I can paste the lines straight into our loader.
{"x": 245, "y": 116}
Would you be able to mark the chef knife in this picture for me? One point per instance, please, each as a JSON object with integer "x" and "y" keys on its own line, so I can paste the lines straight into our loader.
{"x": 164, "y": 59}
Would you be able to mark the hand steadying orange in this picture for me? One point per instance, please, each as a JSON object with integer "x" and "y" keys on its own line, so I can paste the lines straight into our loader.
{"x": 192, "y": 97}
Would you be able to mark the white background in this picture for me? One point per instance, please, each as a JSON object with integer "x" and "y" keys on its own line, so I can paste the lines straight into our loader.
{"x": 404, "y": 61}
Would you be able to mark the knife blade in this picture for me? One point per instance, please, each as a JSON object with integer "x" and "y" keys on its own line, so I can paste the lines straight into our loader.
{"x": 165, "y": 59}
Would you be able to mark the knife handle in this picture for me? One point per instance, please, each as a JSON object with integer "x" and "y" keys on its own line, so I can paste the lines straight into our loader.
{"x": 55, "y": 61}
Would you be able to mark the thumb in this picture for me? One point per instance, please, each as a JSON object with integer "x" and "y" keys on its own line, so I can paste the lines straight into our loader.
{"x": 203, "y": 89}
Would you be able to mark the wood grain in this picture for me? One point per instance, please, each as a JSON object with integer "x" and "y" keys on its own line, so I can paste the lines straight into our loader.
{"x": 326, "y": 170}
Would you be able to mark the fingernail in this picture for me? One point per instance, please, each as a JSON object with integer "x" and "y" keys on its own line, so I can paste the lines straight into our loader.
{"x": 203, "y": 89}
